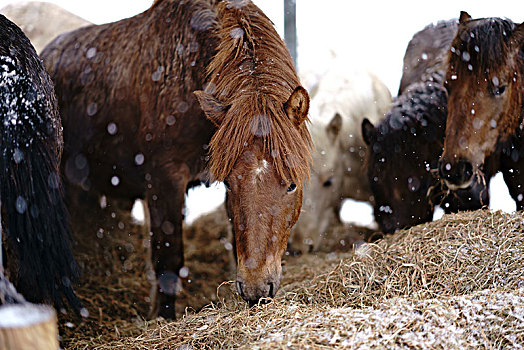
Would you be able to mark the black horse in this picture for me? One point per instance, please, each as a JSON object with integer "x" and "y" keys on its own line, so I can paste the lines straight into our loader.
{"x": 405, "y": 146}
{"x": 402, "y": 157}
{"x": 35, "y": 220}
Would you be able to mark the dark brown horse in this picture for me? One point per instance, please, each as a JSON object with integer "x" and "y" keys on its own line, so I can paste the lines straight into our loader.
{"x": 485, "y": 85}
{"x": 39, "y": 256}
{"x": 427, "y": 53}
{"x": 404, "y": 148}
{"x": 401, "y": 161}
{"x": 134, "y": 128}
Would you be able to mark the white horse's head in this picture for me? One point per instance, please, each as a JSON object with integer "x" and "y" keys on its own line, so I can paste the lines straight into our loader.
{"x": 341, "y": 100}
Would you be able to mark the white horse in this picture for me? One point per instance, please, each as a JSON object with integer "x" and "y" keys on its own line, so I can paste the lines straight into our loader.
{"x": 42, "y": 21}
{"x": 340, "y": 101}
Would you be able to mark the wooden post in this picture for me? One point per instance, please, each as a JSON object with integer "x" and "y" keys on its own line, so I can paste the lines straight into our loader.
{"x": 25, "y": 326}
{"x": 28, "y": 326}
{"x": 290, "y": 28}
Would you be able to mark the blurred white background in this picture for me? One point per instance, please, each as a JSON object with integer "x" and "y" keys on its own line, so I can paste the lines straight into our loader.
{"x": 370, "y": 35}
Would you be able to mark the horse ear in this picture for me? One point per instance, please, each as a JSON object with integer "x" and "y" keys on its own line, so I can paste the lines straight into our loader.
{"x": 213, "y": 108}
{"x": 518, "y": 36}
{"x": 368, "y": 131}
{"x": 464, "y": 17}
{"x": 334, "y": 127}
{"x": 297, "y": 106}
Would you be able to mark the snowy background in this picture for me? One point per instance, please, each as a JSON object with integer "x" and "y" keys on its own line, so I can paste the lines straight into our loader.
{"x": 368, "y": 35}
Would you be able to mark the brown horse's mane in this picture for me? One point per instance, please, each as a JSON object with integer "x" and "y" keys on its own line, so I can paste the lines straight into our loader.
{"x": 252, "y": 75}
{"x": 478, "y": 46}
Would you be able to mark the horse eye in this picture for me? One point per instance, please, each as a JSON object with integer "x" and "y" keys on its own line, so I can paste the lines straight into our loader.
{"x": 328, "y": 182}
{"x": 228, "y": 187}
{"x": 292, "y": 187}
{"x": 499, "y": 91}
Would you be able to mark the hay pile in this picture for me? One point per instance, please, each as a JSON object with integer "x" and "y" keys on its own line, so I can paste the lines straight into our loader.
{"x": 454, "y": 283}
{"x": 113, "y": 252}
{"x": 487, "y": 319}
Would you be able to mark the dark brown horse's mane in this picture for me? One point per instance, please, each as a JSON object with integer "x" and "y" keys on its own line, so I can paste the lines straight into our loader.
{"x": 478, "y": 46}
{"x": 416, "y": 117}
{"x": 252, "y": 75}
{"x": 156, "y": 2}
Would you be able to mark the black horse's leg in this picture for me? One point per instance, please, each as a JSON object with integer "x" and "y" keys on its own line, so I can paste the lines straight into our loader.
{"x": 165, "y": 200}
{"x": 512, "y": 167}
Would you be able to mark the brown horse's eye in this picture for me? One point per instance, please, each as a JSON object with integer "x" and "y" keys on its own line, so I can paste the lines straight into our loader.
{"x": 228, "y": 187}
{"x": 500, "y": 90}
{"x": 328, "y": 182}
{"x": 292, "y": 187}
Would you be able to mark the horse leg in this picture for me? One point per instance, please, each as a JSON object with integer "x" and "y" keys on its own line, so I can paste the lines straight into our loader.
{"x": 336, "y": 213}
{"x": 512, "y": 167}
{"x": 165, "y": 201}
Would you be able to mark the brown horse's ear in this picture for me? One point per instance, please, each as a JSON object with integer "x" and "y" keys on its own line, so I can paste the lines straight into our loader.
{"x": 518, "y": 36}
{"x": 297, "y": 106}
{"x": 464, "y": 17}
{"x": 334, "y": 127}
{"x": 368, "y": 131}
{"x": 213, "y": 108}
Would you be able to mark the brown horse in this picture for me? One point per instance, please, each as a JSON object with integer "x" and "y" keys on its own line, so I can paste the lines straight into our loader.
{"x": 134, "y": 128}
{"x": 485, "y": 85}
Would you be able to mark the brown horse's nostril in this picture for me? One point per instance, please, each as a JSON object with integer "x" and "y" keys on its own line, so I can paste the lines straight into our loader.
{"x": 456, "y": 173}
{"x": 272, "y": 290}
{"x": 240, "y": 290}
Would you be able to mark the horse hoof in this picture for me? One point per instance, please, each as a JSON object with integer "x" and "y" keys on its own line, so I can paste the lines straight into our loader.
{"x": 167, "y": 311}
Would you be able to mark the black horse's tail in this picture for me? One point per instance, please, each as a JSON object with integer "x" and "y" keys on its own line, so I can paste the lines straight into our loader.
{"x": 36, "y": 221}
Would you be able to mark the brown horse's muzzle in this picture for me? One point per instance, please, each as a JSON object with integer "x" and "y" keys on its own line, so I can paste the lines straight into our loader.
{"x": 255, "y": 288}
{"x": 456, "y": 174}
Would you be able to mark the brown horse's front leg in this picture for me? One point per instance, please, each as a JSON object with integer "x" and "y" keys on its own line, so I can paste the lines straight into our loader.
{"x": 165, "y": 200}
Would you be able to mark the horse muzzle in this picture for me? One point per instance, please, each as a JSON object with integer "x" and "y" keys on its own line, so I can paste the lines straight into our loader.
{"x": 259, "y": 291}
{"x": 456, "y": 174}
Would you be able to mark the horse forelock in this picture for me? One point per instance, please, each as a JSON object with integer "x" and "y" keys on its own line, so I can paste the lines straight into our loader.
{"x": 480, "y": 47}
{"x": 490, "y": 45}
{"x": 253, "y": 75}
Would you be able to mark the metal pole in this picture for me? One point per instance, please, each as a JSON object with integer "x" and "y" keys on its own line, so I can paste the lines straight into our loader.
{"x": 290, "y": 28}
{"x": 1, "y": 257}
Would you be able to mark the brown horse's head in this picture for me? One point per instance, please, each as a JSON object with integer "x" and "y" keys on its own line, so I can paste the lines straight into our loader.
{"x": 484, "y": 82}
{"x": 263, "y": 197}
{"x": 261, "y": 149}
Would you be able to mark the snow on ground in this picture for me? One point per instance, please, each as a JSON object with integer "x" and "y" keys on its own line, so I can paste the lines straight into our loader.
{"x": 499, "y": 195}
{"x": 24, "y": 315}
{"x": 460, "y": 322}
{"x": 201, "y": 200}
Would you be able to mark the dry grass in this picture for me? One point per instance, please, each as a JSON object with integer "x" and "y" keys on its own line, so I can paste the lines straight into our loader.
{"x": 454, "y": 283}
